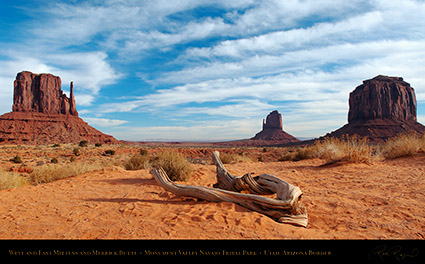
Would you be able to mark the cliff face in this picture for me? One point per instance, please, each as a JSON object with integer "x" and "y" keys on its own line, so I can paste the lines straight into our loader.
{"x": 383, "y": 98}
{"x": 42, "y": 93}
{"x": 381, "y": 108}
{"x": 273, "y": 121}
{"x": 43, "y": 114}
{"x": 273, "y": 130}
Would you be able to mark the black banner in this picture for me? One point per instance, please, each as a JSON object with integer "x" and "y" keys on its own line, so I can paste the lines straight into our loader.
{"x": 372, "y": 251}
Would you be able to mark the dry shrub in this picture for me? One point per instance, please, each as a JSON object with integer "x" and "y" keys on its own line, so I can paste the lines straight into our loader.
{"x": 53, "y": 172}
{"x": 229, "y": 158}
{"x": 174, "y": 164}
{"x": 403, "y": 145}
{"x": 301, "y": 153}
{"x": 11, "y": 180}
{"x": 177, "y": 167}
{"x": 351, "y": 149}
{"x": 137, "y": 162}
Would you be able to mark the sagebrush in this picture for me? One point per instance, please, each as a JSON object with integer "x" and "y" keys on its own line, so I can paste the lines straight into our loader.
{"x": 229, "y": 158}
{"x": 177, "y": 167}
{"x": 137, "y": 162}
{"x": 12, "y": 180}
{"x": 174, "y": 164}
{"x": 403, "y": 145}
{"x": 53, "y": 172}
{"x": 347, "y": 148}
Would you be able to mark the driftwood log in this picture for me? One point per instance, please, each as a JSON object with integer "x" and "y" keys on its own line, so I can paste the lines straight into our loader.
{"x": 285, "y": 209}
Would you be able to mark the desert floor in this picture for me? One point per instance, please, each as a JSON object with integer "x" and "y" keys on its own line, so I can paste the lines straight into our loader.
{"x": 344, "y": 201}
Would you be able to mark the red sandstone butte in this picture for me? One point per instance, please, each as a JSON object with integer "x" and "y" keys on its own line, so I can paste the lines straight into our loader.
{"x": 42, "y": 93}
{"x": 273, "y": 130}
{"x": 381, "y": 108}
{"x": 43, "y": 114}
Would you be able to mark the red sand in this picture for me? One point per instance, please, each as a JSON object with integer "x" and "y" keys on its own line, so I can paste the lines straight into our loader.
{"x": 351, "y": 201}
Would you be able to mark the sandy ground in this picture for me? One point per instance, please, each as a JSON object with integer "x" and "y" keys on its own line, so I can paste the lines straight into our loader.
{"x": 350, "y": 201}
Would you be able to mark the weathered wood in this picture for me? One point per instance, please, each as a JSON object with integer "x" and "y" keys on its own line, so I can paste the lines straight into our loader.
{"x": 262, "y": 184}
{"x": 276, "y": 209}
{"x": 284, "y": 209}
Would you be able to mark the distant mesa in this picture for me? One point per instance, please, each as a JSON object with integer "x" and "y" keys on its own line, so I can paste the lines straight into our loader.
{"x": 43, "y": 114}
{"x": 381, "y": 108}
{"x": 273, "y": 129}
{"x": 272, "y": 134}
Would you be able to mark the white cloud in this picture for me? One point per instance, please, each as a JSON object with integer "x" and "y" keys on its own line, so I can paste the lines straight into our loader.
{"x": 421, "y": 119}
{"x": 234, "y": 108}
{"x": 374, "y": 58}
{"x": 89, "y": 71}
{"x": 282, "y": 41}
{"x": 213, "y": 130}
{"x": 133, "y": 26}
{"x": 104, "y": 122}
{"x": 84, "y": 99}
{"x": 298, "y": 60}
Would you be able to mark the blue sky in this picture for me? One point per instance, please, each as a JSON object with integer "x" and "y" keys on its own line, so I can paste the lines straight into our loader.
{"x": 212, "y": 70}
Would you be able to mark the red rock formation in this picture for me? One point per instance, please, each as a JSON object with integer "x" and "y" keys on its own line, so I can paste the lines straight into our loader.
{"x": 383, "y": 98}
{"x": 72, "y": 105}
{"x": 381, "y": 108}
{"x": 42, "y": 93}
{"x": 273, "y": 130}
{"x": 43, "y": 114}
{"x": 41, "y": 129}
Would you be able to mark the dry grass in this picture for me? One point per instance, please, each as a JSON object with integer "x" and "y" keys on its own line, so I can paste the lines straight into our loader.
{"x": 403, "y": 145}
{"x": 137, "y": 162}
{"x": 350, "y": 149}
{"x": 229, "y": 158}
{"x": 11, "y": 180}
{"x": 358, "y": 150}
{"x": 53, "y": 172}
{"x": 177, "y": 167}
{"x": 300, "y": 154}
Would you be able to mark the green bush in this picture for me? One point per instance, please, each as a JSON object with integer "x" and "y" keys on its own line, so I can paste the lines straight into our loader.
{"x": 110, "y": 152}
{"x": 76, "y": 151}
{"x": 17, "y": 159}
{"x": 83, "y": 143}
